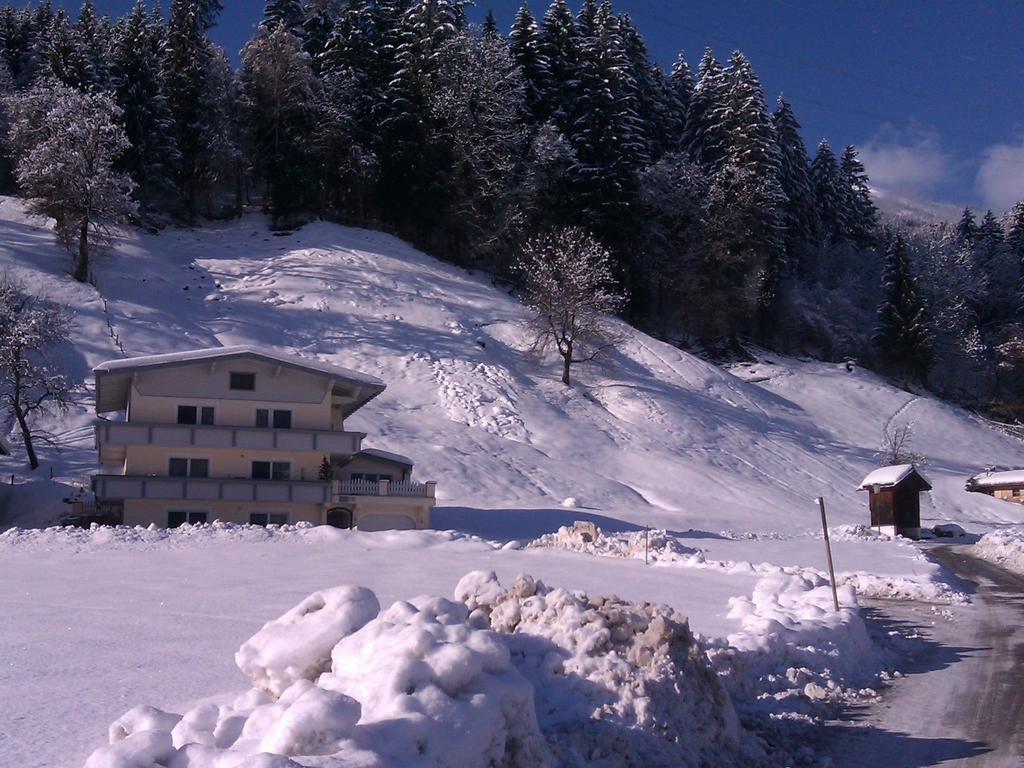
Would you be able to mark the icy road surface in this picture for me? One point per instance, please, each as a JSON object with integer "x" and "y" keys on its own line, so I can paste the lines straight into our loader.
{"x": 963, "y": 701}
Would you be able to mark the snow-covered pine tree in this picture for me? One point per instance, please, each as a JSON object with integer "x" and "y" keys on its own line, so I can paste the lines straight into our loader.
{"x": 901, "y": 334}
{"x": 967, "y": 227}
{"x": 549, "y": 161}
{"x": 64, "y": 58}
{"x": 279, "y": 84}
{"x": 65, "y": 144}
{"x": 286, "y": 13}
{"x": 703, "y": 138}
{"x": 478, "y": 108}
{"x": 38, "y": 23}
{"x": 607, "y": 133}
{"x": 997, "y": 270}
{"x": 319, "y": 18}
{"x": 862, "y": 215}
{"x": 491, "y": 25}
{"x": 94, "y": 38}
{"x": 412, "y": 164}
{"x": 6, "y": 165}
{"x": 800, "y": 213}
{"x": 525, "y": 44}
{"x": 1015, "y": 251}
{"x": 137, "y": 83}
{"x": 661, "y": 116}
{"x": 751, "y": 170}
{"x": 187, "y": 69}
{"x": 830, "y": 194}
{"x": 560, "y": 49}
{"x": 682, "y": 84}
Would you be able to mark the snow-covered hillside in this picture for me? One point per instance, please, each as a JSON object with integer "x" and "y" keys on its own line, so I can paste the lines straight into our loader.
{"x": 656, "y": 436}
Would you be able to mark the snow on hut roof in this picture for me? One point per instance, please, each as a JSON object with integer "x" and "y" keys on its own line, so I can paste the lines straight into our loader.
{"x": 394, "y": 458}
{"x": 999, "y": 479}
{"x": 887, "y": 477}
{"x": 113, "y": 378}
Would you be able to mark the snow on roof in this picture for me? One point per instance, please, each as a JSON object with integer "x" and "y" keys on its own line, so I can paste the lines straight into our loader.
{"x": 117, "y": 373}
{"x": 242, "y": 350}
{"x": 997, "y": 479}
{"x": 395, "y": 458}
{"x": 887, "y": 476}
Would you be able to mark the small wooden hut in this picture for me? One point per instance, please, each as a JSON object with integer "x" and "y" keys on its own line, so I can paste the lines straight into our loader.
{"x": 894, "y": 496}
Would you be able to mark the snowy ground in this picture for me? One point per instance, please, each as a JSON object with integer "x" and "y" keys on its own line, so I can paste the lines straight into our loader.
{"x": 729, "y": 463}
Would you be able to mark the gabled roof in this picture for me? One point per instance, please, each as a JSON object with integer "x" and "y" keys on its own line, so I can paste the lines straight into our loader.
{"x": 113, "y": 378}
{"x": 393, "y": 458}
{"x": 889, "y": 477}
{"x": 1008, "y": 479}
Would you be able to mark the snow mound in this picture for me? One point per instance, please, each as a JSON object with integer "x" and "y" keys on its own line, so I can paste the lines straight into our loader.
{"x": 617, "y": 683}
{"x": 1004, "y": 547}
{"x": 528, "y": 677}
{"x": 585, "y": 536}
{"x": 297, "y": 646}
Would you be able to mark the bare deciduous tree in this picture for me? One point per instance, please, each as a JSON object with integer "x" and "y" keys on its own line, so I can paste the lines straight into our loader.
{"x": 896, "y": 446}
{"x": 65, "y": 143}
{"x": 31, "y": 330}
{"x": 570, "y": 291}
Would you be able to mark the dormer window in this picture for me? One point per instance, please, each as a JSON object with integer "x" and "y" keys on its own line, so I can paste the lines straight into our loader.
{"x": 245, "y": 382}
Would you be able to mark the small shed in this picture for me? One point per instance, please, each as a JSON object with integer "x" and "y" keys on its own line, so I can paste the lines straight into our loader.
{"x": 894, "y": 495}
{"x": 1008, "y": 485}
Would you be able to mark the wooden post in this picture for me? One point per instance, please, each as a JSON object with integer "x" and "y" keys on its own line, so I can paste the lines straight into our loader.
{"x": 828, "y": 551}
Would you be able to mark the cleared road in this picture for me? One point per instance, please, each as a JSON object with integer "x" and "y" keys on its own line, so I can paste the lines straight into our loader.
{"x": 962, "y": 701}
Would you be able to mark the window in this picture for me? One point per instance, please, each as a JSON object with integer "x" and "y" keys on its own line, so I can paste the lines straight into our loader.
{"x": 265, "y": 518}
{"x": 193, "y": 414}
{"x": 280, "y": 419}
{"x": 243, "y": 381}
{"x": 188, "y": 467}
{"x": 262, "y": 417}
{"x": 176, "y": 518}
{"x": 271, "y": 470}
{"x": 372, "y": 477}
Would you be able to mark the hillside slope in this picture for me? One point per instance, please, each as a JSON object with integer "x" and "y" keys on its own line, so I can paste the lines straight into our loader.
{"x": 655, "y": 436}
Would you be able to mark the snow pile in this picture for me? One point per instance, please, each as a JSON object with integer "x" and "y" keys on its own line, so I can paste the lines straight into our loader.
{"x": 795, "y": 651}
{"x": 616, "y": 683}
{"x": 504, "y": 678}
{"x": 1004, "y": 547}
{"x": 584, "y": 536}
{"x": 298, "y": 645}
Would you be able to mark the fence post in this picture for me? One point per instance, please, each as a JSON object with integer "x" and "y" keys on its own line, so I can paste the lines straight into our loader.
{"x": 828, "y": 551}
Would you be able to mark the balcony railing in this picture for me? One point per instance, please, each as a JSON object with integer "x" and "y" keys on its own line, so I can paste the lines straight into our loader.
{"x": 384, "y": 488}
{"x": 112, "y": 487}
{"x": 116, "y": 433}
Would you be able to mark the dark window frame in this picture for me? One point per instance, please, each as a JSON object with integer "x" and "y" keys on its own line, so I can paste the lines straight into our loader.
{"x": 282, "y": 419}
{"x": 242, "y": 381}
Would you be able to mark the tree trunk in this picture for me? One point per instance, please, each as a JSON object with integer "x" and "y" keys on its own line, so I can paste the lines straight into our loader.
{"x": 82, "y": 263}
{"x": 26, "y": 434}
{"x": 566, "y": 362}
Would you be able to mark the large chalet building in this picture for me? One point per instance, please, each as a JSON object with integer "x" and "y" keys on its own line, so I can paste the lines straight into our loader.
{"x": 245, "y": 435}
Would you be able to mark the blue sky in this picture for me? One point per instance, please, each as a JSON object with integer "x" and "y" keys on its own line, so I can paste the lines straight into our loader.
{"x": 931, "y": 91}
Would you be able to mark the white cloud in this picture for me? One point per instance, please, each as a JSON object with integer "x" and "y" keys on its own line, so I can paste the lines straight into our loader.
{"x": 912, "y": 164}
{"x": 1000, "y": 180}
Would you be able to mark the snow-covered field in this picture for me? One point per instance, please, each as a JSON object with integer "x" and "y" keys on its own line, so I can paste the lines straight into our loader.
{"x": 726, "y": 464}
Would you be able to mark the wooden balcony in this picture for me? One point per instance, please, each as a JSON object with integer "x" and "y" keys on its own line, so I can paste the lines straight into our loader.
{"x": 115, "y": 487}
{"x": 125, "y": 433}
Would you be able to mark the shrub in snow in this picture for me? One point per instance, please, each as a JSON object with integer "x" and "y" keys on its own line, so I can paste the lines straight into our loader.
{"x": 297, "y": 646}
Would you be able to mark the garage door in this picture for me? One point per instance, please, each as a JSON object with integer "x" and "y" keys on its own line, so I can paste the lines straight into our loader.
{"x": 379, "y": 521}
